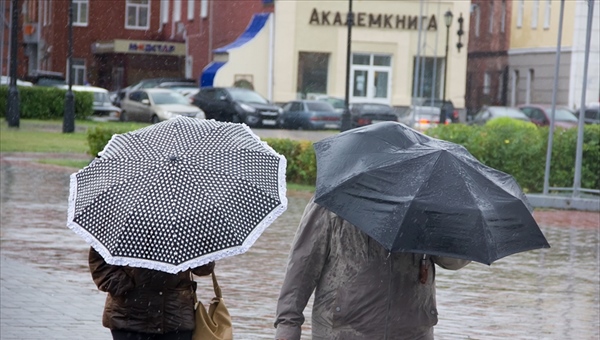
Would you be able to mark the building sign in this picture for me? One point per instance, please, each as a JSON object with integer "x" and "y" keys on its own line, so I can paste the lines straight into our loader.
{"x": 148, "y": 47}
{"x": 363, "y": 19}
{"x": 151, "y": 48}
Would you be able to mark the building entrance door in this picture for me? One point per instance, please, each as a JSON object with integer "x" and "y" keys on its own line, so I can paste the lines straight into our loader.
{"x": 371, "y": 78}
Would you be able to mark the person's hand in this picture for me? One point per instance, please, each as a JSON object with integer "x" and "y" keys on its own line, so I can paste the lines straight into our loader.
{"x": 204, "y": 270}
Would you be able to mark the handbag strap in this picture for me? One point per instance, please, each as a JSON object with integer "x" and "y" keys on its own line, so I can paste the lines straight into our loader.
{"x": 216, "y": 286}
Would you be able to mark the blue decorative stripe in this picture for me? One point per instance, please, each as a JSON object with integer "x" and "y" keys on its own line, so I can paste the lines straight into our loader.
{"x": 209, "y": 72}
{"x": 257, "y": 23}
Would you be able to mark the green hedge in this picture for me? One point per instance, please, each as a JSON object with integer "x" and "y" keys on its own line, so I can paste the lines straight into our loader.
{"x": 508, "y": 145}
{"x": 519, "y": 148}
{"x": 40, "y": 102}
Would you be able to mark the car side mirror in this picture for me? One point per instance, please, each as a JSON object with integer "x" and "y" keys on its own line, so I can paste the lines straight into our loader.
{"x": 146, "y": 102}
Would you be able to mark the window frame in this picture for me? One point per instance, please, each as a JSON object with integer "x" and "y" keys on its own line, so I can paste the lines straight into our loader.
{"x": 137, "y": 7}
{"x": 547, "y": 14}
{"x": 520, "y": 10}
{"x": 535, "y": 14}
{"x": 77, "y": 5}
{"x": 491, "y": 9}
{"x": 190, "y": 10}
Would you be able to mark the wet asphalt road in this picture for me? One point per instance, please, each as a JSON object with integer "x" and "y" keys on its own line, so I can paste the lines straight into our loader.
{"x": 47, "y": 292}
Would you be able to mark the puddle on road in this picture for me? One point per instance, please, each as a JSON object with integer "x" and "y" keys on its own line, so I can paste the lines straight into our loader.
{"x": 542, "y": 294}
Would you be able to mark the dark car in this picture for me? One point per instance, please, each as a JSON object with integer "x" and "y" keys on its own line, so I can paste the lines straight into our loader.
{"x": 310, "y": 115}
{"x": 591, "y": 114}
{"x": 47, "y": 78}
{"x": 235, "y": 104}
{"x": 369, "y": 113}
{"x": 488, "y": 113}
{"x": 540, "y": 115}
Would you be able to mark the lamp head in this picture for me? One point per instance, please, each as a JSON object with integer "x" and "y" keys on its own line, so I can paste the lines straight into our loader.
{"x": 448, "y": 18}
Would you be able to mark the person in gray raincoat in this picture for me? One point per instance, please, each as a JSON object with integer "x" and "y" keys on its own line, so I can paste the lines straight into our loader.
{"x": 361, "y": 290}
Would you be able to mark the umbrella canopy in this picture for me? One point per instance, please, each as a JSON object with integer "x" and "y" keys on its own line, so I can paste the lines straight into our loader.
{"x": 178, "y": 194}
{"x": 414, "y": 193}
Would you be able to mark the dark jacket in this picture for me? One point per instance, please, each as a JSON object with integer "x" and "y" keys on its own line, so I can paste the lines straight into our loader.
{"x": 145, "y": 300}
{"x": 362, "y": 291}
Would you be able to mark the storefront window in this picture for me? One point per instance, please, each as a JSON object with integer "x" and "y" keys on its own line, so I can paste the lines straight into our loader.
{"x": 430, "y": 77}
{"x": 312, "y": 73}
{"x": 371, "y": 78}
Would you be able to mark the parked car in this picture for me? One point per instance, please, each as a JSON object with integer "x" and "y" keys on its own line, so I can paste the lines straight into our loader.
{"x": 102, "y": 106}
{"x": 5, "y": 81}
{"x": 146, "y": 84}
{"x": 154, "y": 105}
{"x": 421, "y": 118}
{"x": 445, "y": 106}
{"x": 488, "y": 113}
{"x": 369, "y": 113}
{"x": 235, "y": 104}
{"x": 310, "y": 115}
{"x": 47, "y": 78}
{"x": 540, "y": 115}
{"x": 591, "y": 114}
{"x": 337, "y": 103}
{"x": 182, "y": 87}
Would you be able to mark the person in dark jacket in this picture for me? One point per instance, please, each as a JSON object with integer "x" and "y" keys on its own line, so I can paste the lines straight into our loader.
{"x": 146, "y": 304}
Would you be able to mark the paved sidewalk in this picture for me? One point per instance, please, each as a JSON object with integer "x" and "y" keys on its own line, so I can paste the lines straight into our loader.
{"x": 37, "y": 305}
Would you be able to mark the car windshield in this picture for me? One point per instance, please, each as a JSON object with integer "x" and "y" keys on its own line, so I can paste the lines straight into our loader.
{"x": 247, "y": 96}
{"x": 316, "y": 106}
{"x": 161, "y": 98}
{"x": 101, "y": 97}
{"x": 336, "y": 103}
{"x": 508, "y": 112}
{"x": 50, "y": 82}
{"x": 564, "y": 115}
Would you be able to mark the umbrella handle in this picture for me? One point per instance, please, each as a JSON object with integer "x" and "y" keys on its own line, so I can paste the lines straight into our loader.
{"x": 424, "y": 269}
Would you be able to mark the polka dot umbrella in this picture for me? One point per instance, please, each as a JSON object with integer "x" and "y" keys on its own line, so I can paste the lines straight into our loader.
{"x": 178, "y": 194}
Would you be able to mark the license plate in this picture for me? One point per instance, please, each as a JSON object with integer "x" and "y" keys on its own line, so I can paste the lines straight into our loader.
{"x": 269, "y": 113}
{"x": 332, "y": 126}
{"x": 378, "y": 121}
{"x": 269, "y": 122}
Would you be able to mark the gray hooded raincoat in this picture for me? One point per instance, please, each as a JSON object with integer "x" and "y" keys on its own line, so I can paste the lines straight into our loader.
{"x": 361, "y": 290}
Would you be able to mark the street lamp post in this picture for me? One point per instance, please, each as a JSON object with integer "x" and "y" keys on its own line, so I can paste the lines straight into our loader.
{"x": 69, "y": 117}
{"x": 346, "y": 122}
{"x": 448, "y": 22}
{"x": 12, "y": 116}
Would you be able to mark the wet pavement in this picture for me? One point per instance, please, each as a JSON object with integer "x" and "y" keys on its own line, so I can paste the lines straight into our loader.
{"x": 47, "y": 291}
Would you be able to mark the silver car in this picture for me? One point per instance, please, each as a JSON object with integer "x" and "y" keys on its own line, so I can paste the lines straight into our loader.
{"x": 154, "y": 105}
{"x": 422, "y": 118}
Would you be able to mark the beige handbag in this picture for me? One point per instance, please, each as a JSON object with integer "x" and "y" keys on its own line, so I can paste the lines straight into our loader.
{"x": 214, "y": 323}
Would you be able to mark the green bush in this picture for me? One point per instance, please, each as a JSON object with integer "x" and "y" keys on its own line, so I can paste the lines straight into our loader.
{"x": 39, "y": 102}
{"x": 508, "y": 145}
{"x": 99, "y": 136}
{"x": 519, "y": 149}
{"x": 301, "y": 159}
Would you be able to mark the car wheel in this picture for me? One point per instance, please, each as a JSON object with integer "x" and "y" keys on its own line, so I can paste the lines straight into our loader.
{"x": 155, "y": 119}
{"x": 123, "y": 117}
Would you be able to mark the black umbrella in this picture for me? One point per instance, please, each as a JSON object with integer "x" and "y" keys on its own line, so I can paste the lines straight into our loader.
{"x": 414, "y": 193}
{"x": 178, "y": 194}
